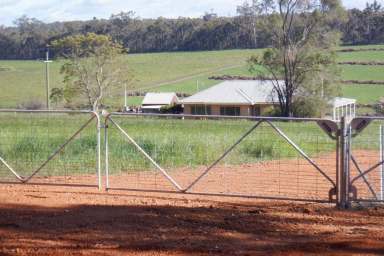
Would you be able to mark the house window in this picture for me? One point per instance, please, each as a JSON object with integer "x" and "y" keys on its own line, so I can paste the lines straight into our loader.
{"x": 200, "y": 110}
{"x": 230, "y": 111}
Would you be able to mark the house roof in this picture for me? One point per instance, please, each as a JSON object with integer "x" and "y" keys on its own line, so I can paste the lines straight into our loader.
{"x": 160, "y": 98}
{"x": 239, "y": 92}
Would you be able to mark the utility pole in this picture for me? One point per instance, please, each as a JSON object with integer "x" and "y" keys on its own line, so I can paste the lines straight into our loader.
{"x": 47, "y": 61}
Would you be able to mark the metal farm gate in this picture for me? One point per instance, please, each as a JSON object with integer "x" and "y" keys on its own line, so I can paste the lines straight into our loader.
{"x": 276, "y": 158}
{"x": 365, "y": 157}
{"x": 304, "y": 159}
{"x": 50, "y": 147}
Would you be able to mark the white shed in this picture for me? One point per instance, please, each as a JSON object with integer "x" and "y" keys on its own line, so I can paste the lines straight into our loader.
{"x": 343, "y": 107}
{"x": 153, "y": 102}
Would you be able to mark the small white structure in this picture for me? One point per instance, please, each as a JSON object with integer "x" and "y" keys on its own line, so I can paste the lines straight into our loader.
{"x": 153, "y": 102}
{"x": 343, "y": 107}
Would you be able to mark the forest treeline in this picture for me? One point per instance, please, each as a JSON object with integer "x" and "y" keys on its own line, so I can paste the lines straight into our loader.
{"x": 28, "y": 38}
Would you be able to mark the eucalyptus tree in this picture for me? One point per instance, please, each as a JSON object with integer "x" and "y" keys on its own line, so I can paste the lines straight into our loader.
{"x": 93, "y": 67}
{"x": 301, "y": 62}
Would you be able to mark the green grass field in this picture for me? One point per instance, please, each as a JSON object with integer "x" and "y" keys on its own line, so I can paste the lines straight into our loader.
{"x": 365, "y": 94}
{"x": 363, "y": 73}
{"x": 361, "y": 56}
{"x": 23, "y": 82}
{"x": 27, "y": 140}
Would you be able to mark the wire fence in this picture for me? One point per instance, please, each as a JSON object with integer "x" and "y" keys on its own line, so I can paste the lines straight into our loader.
{"x": 277, "y": 158}
{"x": 49, "y": 147}
{"x": 271, "y": 158}
{"x": 366, "y": 160}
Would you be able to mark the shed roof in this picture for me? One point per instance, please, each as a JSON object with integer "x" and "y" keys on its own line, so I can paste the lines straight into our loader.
{"x": 340, "y": 102}
{"x": 239, "y": 92}
{"x": 160, "y": 98}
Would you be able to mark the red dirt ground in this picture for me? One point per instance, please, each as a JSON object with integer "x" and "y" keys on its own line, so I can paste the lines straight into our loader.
{"x": 53, "y": 220}
{"x": 77, "y": 221}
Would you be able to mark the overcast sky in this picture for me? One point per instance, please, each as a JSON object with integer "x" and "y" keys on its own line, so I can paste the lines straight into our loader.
{"x": 61, "y": 10}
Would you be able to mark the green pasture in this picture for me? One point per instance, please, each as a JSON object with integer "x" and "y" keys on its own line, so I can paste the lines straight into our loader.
{"x": 365, "y": 93}
{"x": 27, "y": 140}
{"x": 361, "y": 56}
{"x": 370, "y": 46}
{"x": 22, "y": 83}
{"x": 362, "y": 73}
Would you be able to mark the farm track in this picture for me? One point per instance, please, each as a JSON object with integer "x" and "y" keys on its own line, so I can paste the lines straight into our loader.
{"x": 55, "y": 221}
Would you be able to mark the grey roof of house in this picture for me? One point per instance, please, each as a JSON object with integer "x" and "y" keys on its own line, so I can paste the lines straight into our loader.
{"x": 248, "y": 92}
{"x": 159, "y": 98}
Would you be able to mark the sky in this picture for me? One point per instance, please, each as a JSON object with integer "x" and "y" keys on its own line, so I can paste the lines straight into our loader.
{"x": 64, "y": 10}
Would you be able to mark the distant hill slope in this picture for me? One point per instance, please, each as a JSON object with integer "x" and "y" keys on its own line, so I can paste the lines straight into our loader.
{"x": 184, "y": 72}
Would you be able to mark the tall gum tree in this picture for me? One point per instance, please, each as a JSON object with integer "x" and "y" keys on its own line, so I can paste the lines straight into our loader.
{"x": 301, "y": 61}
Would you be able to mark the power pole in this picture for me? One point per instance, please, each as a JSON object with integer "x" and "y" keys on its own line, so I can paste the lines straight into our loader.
{"x": 47, "y": 61}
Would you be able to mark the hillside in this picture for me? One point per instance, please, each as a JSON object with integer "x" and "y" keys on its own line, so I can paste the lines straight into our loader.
{"x": 184, "y": 72}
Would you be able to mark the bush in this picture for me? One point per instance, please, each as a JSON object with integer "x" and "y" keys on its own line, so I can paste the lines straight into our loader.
{"x": 258, "y": 150}
{"x": 308, "y": 107}
{"x": 176, "y": 109}
{"x": 379, "y": 108}
{"x": 31, "y": 105}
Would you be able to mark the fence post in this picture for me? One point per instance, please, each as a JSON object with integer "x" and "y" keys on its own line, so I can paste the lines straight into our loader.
{"x": 98, "y": 151}
{"x": 381, "y": 160}
{"x": 343, "y": 171}
{"x": 106, "y": 148}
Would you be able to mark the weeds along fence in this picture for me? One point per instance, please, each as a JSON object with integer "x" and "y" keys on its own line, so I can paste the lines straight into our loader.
{"x": 253, "y": 157}
{"x": 50, "y": 147}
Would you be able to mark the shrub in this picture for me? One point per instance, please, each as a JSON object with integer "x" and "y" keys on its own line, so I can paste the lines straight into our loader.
{"x": 31, "y": 105}
{"x": 258, "y": 150}
{"x": 176, "y": 109}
